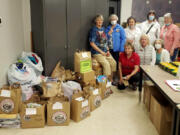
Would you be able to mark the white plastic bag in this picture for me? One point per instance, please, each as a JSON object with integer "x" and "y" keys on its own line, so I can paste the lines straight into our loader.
{"x": 24, "y": 76}
{"x": 69, "y": 87}
{"x": 25, "y": 57}
{"x": 27, "y": 92}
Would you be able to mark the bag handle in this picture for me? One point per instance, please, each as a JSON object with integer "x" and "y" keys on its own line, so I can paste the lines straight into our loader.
{"x": 149, "y": 28}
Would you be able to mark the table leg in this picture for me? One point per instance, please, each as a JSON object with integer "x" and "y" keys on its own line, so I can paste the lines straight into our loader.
{"x": 178, "y": 121}
{"x": 174, "y": 119}
{"x": 140, "y": 84}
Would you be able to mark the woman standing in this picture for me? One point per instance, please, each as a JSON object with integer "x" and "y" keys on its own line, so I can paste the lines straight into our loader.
{"x": 99, "y": 48}
{"x": 129, "y": 62}
{"x": 151, "y": 27}
{"x": 170, "y": 33}
{"x": 116, "y": 37}
{"x": 162, "y": 55}
{"x": 133, "y": 33}
{"x": 146, "y": 51}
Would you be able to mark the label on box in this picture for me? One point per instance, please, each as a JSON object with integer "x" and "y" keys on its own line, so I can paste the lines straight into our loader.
{"x": 84, "y": 55}
{"x": 57, "y": 106}
{"x": 85, "y": 66}
{"x": 85, "y": 103}
{"x": 79, "y": 99}
{"x": 31, "y": 111}
{"x": 5, "y": 93}
{"x": 108, "y": 84}
{"x": 95, "y": 92}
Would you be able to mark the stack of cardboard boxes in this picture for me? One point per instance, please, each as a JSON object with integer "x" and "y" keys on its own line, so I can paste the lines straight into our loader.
{"x": 160, "y": 111}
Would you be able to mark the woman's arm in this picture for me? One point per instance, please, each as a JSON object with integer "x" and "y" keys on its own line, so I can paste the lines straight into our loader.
{"x": 95, "y": 47}
{"x": 136, "y": 69}
{"x": 153, "y": 57}
{"x": 166, "y": 56}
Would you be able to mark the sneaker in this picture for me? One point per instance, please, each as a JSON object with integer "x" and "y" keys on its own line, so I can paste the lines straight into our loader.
{"x": 115, "y": 83}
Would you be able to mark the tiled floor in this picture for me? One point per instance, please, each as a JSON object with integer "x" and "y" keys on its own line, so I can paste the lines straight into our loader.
{"x": 120, "y": 114}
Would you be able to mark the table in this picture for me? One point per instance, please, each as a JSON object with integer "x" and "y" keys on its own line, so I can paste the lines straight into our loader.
{"x": 158, "y": 77}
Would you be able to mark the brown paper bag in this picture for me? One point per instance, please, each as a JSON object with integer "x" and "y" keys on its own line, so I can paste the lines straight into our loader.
{"x": 95, "y": 64}
{"x": 51, "y": 88}
{"x": 32, "y": 117}
{"x": 10, "y": 99}
{"x": 59, "y": 72}
{"x": 105, "y": 89}
{"x": 82, "y": 62}
{"x": 80, "y": 106}
{"x": 95, "y": 96}
{"x": 70, "y": 75}
{"x": 58, "y": 111}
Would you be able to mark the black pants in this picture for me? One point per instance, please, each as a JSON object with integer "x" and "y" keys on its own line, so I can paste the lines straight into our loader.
{"x": 135, "y": 78}
{"x": 115, "y": 55}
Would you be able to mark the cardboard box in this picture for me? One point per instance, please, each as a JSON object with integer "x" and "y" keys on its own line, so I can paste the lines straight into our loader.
{"x": 32, "y": 117}
{"x": 58, "y": 112}
{"x": 10, "y": 99}
{"x": 82, "y": 62}
{"x": 161, "y": 116}
{"x": 148, "y": 89}
{"x": 80, "y": 107}
{"x": 86, "y": 79}
{"x": 88, "y": 76}
{"x": 105, "y": 89}
{"x": 95, "y": 97}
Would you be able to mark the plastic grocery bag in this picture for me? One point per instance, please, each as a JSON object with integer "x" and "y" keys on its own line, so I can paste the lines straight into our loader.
{"x": 69, "y": 87}
{"x": 21, "y": 73}
{"x": 33, "y": 61}
{"x": 27, "y": 92}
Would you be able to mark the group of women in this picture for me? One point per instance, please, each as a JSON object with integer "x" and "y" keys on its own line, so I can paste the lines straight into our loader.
{"x": 123, "y": 50}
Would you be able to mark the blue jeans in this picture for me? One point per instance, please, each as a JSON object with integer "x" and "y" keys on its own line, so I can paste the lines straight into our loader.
{"x": 174, "y": 54}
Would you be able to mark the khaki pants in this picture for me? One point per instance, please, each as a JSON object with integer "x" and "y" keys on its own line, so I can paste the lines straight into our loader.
{"x": 107, "y": 62}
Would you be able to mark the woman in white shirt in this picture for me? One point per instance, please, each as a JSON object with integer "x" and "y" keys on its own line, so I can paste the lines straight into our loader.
{"x": 133, "y": 33}
{"x": 162, "y": 55}
{"x": 146, "y": 51}
{"x": 151, "y": 27}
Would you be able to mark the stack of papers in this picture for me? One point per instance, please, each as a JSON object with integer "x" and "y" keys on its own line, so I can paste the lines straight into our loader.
{"x": 174, "y": 84}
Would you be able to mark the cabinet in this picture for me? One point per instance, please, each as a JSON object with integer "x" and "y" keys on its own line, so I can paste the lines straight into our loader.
{"x": 60, "y": 27}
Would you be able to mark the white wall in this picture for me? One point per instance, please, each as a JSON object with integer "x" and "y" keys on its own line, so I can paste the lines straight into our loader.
{"x": 12, "y": 35}
{"x": 126, "y": 8}
{"x": 26, "y": 24}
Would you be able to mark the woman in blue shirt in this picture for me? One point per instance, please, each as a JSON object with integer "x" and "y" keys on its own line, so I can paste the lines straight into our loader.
{"x": 116, "y": 37}
{"x": 99, "y": 49}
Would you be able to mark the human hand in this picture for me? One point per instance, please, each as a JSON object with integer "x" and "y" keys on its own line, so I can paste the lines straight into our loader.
{"x": 104, "y": 54}
{"x": 171, "y": 52}
{"x": 127, "y": 77}
{"x": 108, "y": 54}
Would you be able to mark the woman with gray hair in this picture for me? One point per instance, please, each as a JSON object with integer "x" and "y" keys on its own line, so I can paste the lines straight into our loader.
{"x": 116, "y": 37}
{"x": 146, "y": 51}
{"x": 162, "y": 55}
{"x": 170, "y": 33}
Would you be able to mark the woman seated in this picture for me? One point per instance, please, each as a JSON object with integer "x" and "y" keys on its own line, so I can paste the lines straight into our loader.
{"x": 162, "y": 55}
{"x": 129, "y": 62}
{"x": 146, "y": 51}
{"x": 99, "y": 49}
